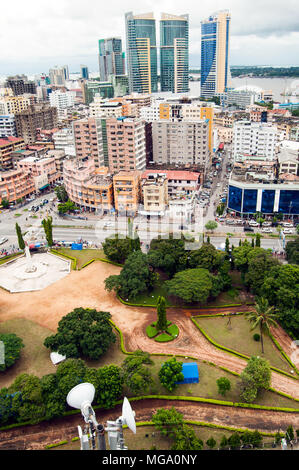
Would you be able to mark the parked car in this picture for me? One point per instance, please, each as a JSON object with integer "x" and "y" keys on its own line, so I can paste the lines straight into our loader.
{"x": 287, "y": 224}
{"x": 253, "y": 223}
{"x": 267, "y": 230}
{"x": 230, "y": 222}
{"x": 266, "y": 224}
{"x": 248, "y": 229}
{"x": 3, "y": 240}
{"x": 287, "y": 230}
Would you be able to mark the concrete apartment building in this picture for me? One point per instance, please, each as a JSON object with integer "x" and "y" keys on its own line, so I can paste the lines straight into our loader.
{"x": 154, "y": 194}
{"x": 88, "y": 140}
{"x": 254, "y": 139}
{"x": 14, "y": 104}
{"x": 103, "y": 108}
{"x": 181, "y": 143}
{"x": 288, "y": 157}
{"x": 42, "y": 170}
{"x": 36, "y": 116}
{"x": 8, "y": 145}
{"x": 62, "y": 100}
{"x": 126, "y": 140}
{"x": 89, "y": 187}
{"x": 8, "y": 126}
{"x": 126, "y": 186}
{"x": 64, "y": 140}
{"x": 15, "y": 184}
{"x": 20, "y": 85}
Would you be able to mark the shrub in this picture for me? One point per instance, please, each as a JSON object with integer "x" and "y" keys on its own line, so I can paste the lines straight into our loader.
{"x": 12, "y": 349}
{"x": 256, "y": 337}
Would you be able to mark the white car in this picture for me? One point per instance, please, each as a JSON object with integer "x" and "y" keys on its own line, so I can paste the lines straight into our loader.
{"x": 253, "y": 223}
{"x": 3, "y": 240}
{"x": 266, "y": 224}
{"x": 287, "y": 230}
{"x": 267, "y": 230}
{"x": 287, "y": 224}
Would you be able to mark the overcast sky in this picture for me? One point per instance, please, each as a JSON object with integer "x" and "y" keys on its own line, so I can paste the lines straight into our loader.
{"x": 36, "y": 35}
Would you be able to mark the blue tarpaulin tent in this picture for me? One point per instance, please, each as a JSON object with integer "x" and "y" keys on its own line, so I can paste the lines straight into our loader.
{"x": 76, "y": 246}
{"x": 190, "y": 371}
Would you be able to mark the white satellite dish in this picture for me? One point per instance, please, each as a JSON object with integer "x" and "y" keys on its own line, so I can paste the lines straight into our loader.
{"x": 81, "y": 395}
{"x": 128, "y": 415}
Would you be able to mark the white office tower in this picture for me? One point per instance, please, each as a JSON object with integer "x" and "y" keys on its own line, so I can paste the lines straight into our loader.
{"x": 254, "y": 141}
{"x": 7, "y": 125}
{"x": 62, "y": 100}
{"x": 64, "y": 140}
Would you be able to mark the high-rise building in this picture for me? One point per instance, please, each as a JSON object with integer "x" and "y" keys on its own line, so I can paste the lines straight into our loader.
{"x": 215, "y": 72}
{"x": 111, "y": 58}
{"x": 254, "y": 141}
{"x": 141, "y": 53}
{"x": 20, "y": 85}
{"x": 7, "y": 126}
{"x": 84, "y": 72}
{"x": 88, "y": 140}
{"x": 174, "y": 53}
{"x": 58, "y": 75}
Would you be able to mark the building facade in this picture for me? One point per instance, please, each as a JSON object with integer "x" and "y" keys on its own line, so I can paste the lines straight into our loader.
{"x": 15, "y": 185}
{"x": 36, "y": 116}
{"x": 88, "y": 140}
{"x": 126, "y": 192}
{"x": 8, "y": 145}
{"x": 111, "y": 58}
{"x": 215, "y": 73}
{"x": 141, "y": 53}
{"x": 7, "y": 126}
{"x": 255, "y": 139}
{"x": 174, "y": 53}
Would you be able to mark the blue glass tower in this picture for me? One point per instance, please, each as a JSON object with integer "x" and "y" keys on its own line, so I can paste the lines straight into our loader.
{"x": 215, "y": 33}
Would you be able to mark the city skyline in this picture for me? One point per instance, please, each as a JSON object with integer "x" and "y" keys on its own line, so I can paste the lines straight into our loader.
{"x": 35, "y": 40}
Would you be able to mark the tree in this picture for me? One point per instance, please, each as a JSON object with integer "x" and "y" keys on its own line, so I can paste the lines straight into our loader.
{"x": 259, "y": 265}
{"x": 223, "y": 385}
{"x": 168, "y": 254}
{"x": 135, "y": 375}
{"x": 27, "y": 403}
{"x": 186, "y": 439}
{"x": 292, "y": 250}
{"x": 170, "y": 373}
{"x": 234, "y": 441}
{"x": 207, "y": 257}
{"x": 281, "y": 287}
{"x": 12, "y": 349}
{"x": 118, "y": 249}
{"x": 263, "y": 316}
{"x": 61, "y": 193}
{"x": 255, "y": 377}
{"x": 223, "y": 442}
{"x": 168, "y": 421}
{"x": 82, "y": 333}
{"x": 68, "y": 206}
{"x": 134, "y": 278}
{"x": 20, "y": 237}
{"x": 253, "y": 438}
{"x": 192, "y": 285}
{"x": 258, "y": 240}
{"x": 211, "y": 443}
{"x": 161, "y": 324}
{"x": 211, "y": 225}
{"x": 52, "y": 396}
{"x": 109, "y": 387}
{"x": 5, "y": 203}
{"x": 227, "y": 250}
{"x": 70, "y": 373}
{"x": 48, "y": 228}
{"x": 290, "y": 433}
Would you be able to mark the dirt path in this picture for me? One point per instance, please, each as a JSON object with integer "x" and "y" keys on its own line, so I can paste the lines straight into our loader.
{"x": 36, "y": 437}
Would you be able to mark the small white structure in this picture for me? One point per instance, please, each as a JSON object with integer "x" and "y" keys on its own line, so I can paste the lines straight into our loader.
{"x": 56, "y": 358}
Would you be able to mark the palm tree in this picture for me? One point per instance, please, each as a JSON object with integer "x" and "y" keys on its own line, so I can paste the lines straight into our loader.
{"x": 264, "y": 316}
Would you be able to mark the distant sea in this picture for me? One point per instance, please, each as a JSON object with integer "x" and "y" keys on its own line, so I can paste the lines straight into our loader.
{"x": 277, "y": 85}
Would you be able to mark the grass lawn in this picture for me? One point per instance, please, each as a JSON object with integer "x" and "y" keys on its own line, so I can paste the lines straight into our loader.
{"x": 35, "y": 358}
{"x": 83, "y": 256}
{"x": 239, "y": 337}
{"x": 148, "y": 438}
{"x": 207, "y": 385}
{"x": 5, "y": 260}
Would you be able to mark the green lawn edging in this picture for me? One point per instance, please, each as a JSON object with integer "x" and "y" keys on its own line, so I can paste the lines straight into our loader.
{"x": 235, "y": 353}
{"x": 283, "y": 353}
{"x": 74, "y": 260}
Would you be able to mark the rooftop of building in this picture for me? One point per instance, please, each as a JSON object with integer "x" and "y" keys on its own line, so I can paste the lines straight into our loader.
{"x": 172, "y": 174}
{"x": 10, "y": 140}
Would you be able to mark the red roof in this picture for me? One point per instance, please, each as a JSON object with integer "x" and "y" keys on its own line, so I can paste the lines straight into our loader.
{"x": 10, "y": 140}
{"x": 173, "y": 174}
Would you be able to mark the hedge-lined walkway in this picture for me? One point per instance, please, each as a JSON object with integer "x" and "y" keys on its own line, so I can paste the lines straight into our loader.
{"x": 36, "y": 437}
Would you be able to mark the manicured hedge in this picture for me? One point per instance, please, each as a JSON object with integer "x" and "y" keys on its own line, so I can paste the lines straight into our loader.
{"x": 283, "y": 353}
{"x": 50, "y": 446}
{"x": 74, "y": 265}
{"x": 86, "y": 264}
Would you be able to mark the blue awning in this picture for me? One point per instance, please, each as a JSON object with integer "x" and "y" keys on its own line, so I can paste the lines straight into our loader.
{"x": 43, "y": 187}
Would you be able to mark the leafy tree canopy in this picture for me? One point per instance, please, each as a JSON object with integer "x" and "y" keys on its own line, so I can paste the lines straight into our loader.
{"x": 193, "y": 285}
{"x": 167, "y": 421}
{"x": 170, "y": 373}
{"x": 118, "y": 249}
{"x": 255, "y": 376}
{"x": 82, "y": 333}
{"x": 12, "y": 349}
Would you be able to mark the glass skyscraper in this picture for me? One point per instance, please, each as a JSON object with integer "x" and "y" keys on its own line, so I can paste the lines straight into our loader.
{"x": 174, "y": 53}
{"x": 141, "y": 53}
{"x": 111, "y": 58}
{"x": 215, "y": 33}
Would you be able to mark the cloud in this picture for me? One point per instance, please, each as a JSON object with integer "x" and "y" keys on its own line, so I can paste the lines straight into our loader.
{"x": 67, "y": 31}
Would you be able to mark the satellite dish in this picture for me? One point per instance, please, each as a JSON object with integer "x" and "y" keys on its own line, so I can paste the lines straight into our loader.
{"x": 81, "y": 395}
{"x": 128, "y": 415}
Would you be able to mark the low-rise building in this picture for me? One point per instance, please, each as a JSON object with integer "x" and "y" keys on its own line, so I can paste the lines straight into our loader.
{"x": 42, "y": 170}
{"x": 15, "y": 185}
{"x": 7, "y": 126}
{"x": 288, "y": 157}
{"x": 126, "y": 192}
{"x": 154, "y": 194}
